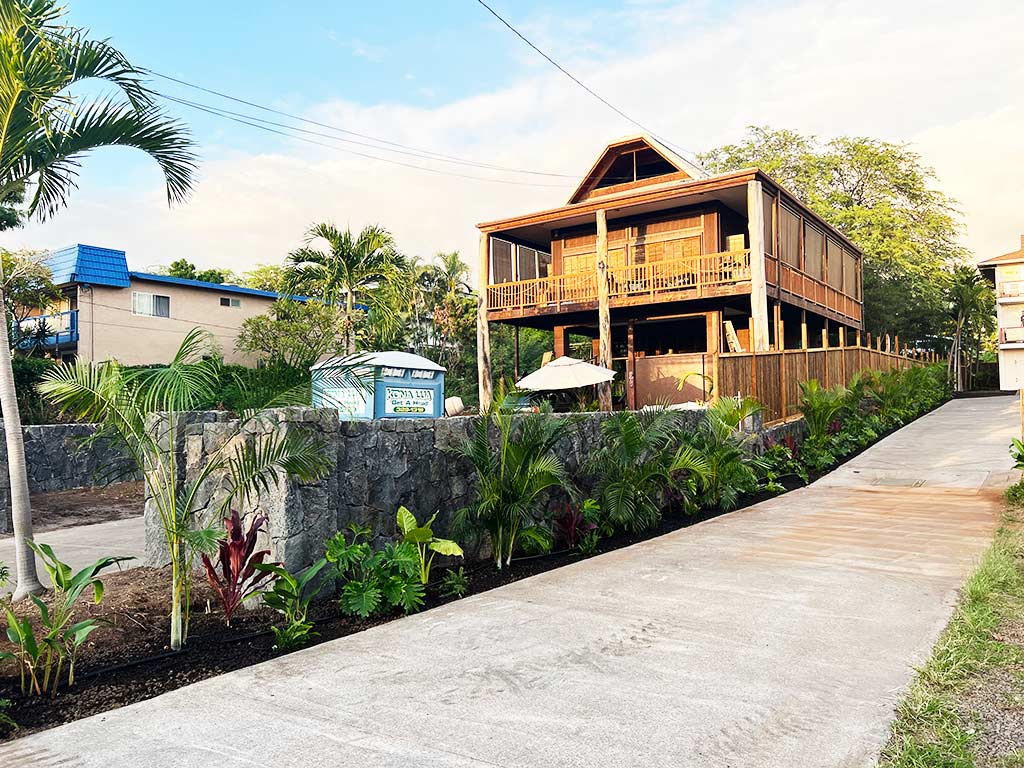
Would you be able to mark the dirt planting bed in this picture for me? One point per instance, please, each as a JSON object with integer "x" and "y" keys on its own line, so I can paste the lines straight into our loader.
{"x": 53, "y": 510}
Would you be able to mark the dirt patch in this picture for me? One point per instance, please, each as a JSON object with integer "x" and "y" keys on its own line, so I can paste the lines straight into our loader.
{"x": 53, "y": 510}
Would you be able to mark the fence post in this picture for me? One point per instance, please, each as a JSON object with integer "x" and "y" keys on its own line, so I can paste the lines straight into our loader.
{"x": 782, "y": 367}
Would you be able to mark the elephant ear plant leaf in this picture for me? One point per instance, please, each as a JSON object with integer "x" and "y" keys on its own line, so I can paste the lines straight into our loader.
{"x": 146, "y": 409}
{"x": 427, "y": 545}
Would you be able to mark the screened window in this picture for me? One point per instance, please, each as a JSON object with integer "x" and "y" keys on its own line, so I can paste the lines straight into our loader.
{"x": 834, "y": 263}
{"x": 789, "y": 236}
{"x": 769, "y": 224}
{"x": 150, "y": 304}
{"x": 501, "y": 261}
{"x": 849, "y": 273}
{"x": 226, "y": 301}
{"x": 814, "y": 246}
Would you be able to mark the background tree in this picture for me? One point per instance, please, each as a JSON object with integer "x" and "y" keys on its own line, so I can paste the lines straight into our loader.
{"x": 265, "y": 277}
{"x": 971, "y": 309}
{"x": 185, "y": 269}
{"x": 294, "y": 333}
{"x": 880, "y": 196}
{"x": 347, "y": 273}
{"x": 48, "y": 128}
{"x": 27, "y": 284}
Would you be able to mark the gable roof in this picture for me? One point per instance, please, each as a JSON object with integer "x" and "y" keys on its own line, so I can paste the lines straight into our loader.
{"x": 89, "y": 264}
{"x": 1007, "y": 258}
{"x": 684, "y": 169}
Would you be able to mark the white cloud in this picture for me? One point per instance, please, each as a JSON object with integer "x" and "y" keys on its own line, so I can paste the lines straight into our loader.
{"x": 938, "y": 75}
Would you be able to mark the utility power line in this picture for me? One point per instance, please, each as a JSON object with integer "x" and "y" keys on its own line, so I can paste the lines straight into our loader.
{"x": 426, "y": 153}
{"x": 582, "y": 85}
{"x": 247, "y": 120}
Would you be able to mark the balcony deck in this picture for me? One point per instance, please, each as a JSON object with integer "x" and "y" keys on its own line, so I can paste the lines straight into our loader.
{"x": 690, "y": 277}
{"x": 61, "y": 329}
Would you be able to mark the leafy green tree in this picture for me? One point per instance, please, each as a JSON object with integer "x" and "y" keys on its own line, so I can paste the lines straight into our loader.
{"x": 48, "y": 128}
{"x": 294, "y": 333}
{"x": 881, "y": 196}
{"x": 349, "y": 272}
{"x": 265, "y": 277}
{"x": 186, "y": 270}
{"x": 27, "y": 284}
{"x": 182, "y": 268}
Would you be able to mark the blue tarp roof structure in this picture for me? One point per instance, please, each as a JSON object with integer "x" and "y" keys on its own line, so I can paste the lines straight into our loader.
{"x": 89, "y": 264}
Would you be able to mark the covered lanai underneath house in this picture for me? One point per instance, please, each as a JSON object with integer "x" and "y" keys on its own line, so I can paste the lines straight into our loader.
{"x": 664, "y": 267}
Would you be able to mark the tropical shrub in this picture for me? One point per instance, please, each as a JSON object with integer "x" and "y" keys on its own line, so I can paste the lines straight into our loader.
{"x": 1016, "y": 453}
{"x": 6, "y": 721}
{"x": 236, "y": 576}
{"x": 290, "y": 596}
{"x": 780, "y": 460}
{"x": 729, "y": 467}
{"x": 373, "y": 581}
{"x": 5, "y": 574}
{"x": 821, "y": 408}
{"x": 455, "y": 582}
{"x": 513, "y": 476}
{"x": 123, "y": 401}
{"x": 41, "y": 659}
{"x": 576, "y": 521}
{"x": 638, "y": 462}
{"x": 427, "y": 545}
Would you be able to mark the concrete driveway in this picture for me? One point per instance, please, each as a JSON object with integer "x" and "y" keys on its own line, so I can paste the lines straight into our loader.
{"x": 84, "y": 544}
{"x": 780, "y": 635}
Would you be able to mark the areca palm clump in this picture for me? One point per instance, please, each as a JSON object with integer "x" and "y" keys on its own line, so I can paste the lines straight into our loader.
{"x": 730, "y": 468}
{"x": 513, "y": 475}
{"x": 639, "y": 462}
{"x": 45, "y": 132}
{"x": 971, "y": 308}
{"x": 354, "y": 269}
{"x": 126, "y": 403}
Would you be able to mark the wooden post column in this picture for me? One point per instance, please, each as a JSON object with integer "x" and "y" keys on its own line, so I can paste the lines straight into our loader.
{"x": 758, "y": 280}
{"x": 483, "y": 330}
{"x": 630, "y": 366}
{"x": 714, "y": 334}
{"x": 561, "y": 341}
{"x": 777, "y": 323}
{"x": 803, "y": 329}
{"x": 604, "y": 317}
{"x": 515, "y": 350}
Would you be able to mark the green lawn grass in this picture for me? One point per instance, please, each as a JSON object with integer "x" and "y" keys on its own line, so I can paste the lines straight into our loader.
{"x": 929, "y": 730}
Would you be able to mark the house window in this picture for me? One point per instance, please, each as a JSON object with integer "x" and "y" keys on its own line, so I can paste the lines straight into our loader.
{"x": 150, "y": 304}
{"x": 229, "y": 302}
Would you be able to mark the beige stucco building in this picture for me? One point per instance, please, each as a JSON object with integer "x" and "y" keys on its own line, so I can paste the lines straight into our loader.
{"x": 139, "y": 318}
{"x": 1007, "y": 272}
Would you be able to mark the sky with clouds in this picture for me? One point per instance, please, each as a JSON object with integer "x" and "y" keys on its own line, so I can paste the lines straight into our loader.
{"x": 945, "y": 77}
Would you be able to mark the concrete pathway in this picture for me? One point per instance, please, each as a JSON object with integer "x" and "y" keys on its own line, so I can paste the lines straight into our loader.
{"x": 84, "y": 544}
{"x": 781, "y": 635}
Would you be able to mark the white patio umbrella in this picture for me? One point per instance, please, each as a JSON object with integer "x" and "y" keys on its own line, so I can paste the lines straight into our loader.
{"x": 565, "y": 373}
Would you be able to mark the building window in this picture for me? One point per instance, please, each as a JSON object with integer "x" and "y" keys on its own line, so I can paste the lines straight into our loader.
{"x": 150, "y": 304}
{"x": 229, "y": 302}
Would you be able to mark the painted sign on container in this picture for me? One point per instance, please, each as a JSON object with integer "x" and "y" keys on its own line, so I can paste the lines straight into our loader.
{"x": 400, "y": 401}
{"x": 351, "y": 402}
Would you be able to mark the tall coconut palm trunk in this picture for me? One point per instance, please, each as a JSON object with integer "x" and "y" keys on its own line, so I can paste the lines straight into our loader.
{"x": 21, "y": 508}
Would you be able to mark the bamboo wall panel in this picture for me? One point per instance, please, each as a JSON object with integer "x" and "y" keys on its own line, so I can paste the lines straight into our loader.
{"x": 773, "y": 378}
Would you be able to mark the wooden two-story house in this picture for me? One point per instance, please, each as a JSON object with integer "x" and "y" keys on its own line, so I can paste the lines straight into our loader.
{"x": 664, "y": 267}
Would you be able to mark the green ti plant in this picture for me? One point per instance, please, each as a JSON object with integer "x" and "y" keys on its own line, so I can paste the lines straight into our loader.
{"x": 145, "y": 410}
{"x": 427, "y": 545}
{"x": 290, "y": 595}
{"x": 41, "y": 659}
{"x": 375, "y": 580}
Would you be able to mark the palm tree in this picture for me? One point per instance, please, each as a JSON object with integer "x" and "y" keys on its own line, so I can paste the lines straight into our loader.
{"x": 45, "y": 132}
{"x": 638, "y": 463}
{"x": 349, "y": 272}
{"x": 125, "y": 403}
{"x": 968, "y": 297}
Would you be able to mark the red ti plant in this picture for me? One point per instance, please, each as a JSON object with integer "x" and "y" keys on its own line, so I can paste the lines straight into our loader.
{"x": 237, "y": 577}
{"x": 572, "y": 525}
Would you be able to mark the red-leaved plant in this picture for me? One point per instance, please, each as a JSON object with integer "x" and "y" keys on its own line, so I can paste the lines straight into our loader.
{"x": 237, "y": 577}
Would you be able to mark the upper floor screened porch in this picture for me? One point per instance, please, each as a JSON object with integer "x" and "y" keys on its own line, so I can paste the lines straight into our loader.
{"x": 670, "y": 233}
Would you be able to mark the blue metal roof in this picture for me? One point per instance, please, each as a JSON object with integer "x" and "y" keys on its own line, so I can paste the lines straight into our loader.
{"x": 89, "y": 264}
{"x": 219, "y": 287}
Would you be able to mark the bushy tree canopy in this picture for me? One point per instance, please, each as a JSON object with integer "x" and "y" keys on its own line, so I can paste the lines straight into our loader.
{"x": 881, "y": 196}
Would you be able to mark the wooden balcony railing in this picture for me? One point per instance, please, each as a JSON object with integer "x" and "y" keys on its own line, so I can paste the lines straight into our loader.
{"x": 690, "y": 273}
{"x": 1011, "y": 335}
{"x": 553, "y": 292}
{"x": 796, "y": 282}
{"x": 657, "y": 278}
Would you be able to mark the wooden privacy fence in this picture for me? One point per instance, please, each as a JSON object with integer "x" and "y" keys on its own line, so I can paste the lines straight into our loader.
{"x": 773, "y": 378}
